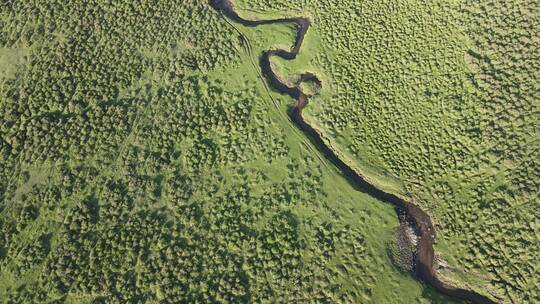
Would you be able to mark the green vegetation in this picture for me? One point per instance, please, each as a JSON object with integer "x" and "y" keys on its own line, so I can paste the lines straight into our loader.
{"x": 438, "y": 101}
{"x": 143, "y": 160}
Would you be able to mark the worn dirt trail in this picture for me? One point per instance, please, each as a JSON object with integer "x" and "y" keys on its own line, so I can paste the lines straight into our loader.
{"x": 424, "y": 267}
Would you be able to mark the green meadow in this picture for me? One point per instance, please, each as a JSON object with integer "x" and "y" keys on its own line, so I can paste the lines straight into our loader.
{"x": 145, "y": 159}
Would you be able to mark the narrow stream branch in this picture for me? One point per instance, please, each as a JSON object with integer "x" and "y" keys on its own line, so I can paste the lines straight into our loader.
{"x": 424, "y": 268}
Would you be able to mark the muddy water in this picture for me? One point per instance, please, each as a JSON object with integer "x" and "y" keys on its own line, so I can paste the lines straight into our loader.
{"x": 424, "y": 268}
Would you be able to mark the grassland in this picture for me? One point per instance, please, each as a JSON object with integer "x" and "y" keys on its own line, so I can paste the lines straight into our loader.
{"x": 143, "y": 160}
{"x": 438, "y": 101}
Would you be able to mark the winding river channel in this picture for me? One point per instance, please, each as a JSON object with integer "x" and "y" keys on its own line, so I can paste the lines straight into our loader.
{"x": 424, "y": 267}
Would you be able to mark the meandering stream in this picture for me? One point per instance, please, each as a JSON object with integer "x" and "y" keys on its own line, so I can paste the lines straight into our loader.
{"x": 424, "y": 268}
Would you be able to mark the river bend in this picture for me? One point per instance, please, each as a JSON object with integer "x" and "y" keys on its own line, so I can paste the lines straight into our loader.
{"x": 424, "y": 268}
